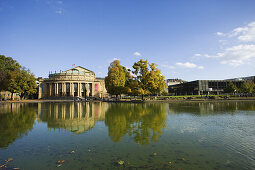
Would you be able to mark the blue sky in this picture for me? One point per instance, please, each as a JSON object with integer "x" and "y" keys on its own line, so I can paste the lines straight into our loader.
{"x": 195, "y": 39}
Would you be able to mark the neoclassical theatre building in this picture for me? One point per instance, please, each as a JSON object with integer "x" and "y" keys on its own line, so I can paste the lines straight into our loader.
{"x": 76, "y": 82}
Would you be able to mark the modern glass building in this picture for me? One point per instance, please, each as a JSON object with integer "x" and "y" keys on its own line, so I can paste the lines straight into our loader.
{"x": 199, "y": 87}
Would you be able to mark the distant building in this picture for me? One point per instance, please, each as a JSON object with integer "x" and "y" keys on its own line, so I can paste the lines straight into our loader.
{"x": 250, "y": 78}
{"x": 6, "y": 95}
{"x": 170, "y": 82}
{"x": 76, "y": 82}
{"x": 199, "y": 87}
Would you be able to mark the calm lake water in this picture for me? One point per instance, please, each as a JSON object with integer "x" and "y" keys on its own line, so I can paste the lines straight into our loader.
{"x": 216, "y": 135}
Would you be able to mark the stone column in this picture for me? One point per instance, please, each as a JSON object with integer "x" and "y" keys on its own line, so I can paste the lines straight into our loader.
{"x": 92, "y": 89}
{"x": 80, "y": 88}
{"x": 39, "y": 90}
{"x": 56, "y": 87}
{"x": 50, "y": 86}
{"x": 63, "y": 94}
{"x": 63, "y": 89}
{"x": 87, "y": 89}
{"x": 72, "y": 89}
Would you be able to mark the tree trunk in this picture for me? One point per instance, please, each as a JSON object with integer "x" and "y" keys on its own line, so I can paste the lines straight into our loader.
{"x": 12, "y": 96}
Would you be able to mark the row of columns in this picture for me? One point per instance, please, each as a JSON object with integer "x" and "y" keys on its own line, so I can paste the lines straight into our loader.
{"x": 52, "y": 89}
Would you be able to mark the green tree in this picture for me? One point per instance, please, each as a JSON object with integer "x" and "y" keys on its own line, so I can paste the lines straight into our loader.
{"x": 247, "y": 87}
{"x": 141, "y": 72}
{"x": 116, "y": 78}
{"x": 16, "y": 79}
{"x": 156, "y": 83}
{"x": 231, "y": 88}
{"x": 149, "y": 78}
{"x": 9, "y": 69}
{"x": 26, "y": 83}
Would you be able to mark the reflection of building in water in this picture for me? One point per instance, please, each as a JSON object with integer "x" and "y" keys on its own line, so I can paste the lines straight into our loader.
{"x": 11, "y": 107}
{"x": 206, "y": 108}
{"x": 76, "y": 117}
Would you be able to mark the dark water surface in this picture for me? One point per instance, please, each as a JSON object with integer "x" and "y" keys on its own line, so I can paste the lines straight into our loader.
{"x": 216, "y": 135}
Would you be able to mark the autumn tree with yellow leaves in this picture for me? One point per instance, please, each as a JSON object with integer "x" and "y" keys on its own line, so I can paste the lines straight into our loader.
{"x": 116, "y": 78}
{"x": 145, "y": 79}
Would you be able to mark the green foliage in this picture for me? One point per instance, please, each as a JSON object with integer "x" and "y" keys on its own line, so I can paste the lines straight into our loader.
{"x": 149, "y": 78}
{"x": 247, "y": 87}
{"x": 145, "y": 79}
{"x": 14, "y": 78}
{"x": 231, "y": 88}
{"x": 9, "y": 69}
{"x": 156, "y": 83}
{"x": 116, "y": 78}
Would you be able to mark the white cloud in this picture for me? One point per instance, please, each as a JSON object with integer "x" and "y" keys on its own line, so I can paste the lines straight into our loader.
{"x": 197, "y": 55}
{"x": 189, "y": 65}
{"x": 243, "y": 34}
{"x": 200, "y": 67}
{"x": 236, "y": 47}
{"x": 167, "y": 66}
{"x": 248, "y": 35}
{"x": 219, "y": 34}
{"x": 60, "y": 12}
{"x": 137, "y": 54}
{"x": 235, "y": 55}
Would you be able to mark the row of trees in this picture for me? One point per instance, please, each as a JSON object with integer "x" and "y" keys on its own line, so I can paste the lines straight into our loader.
{"x": 246, "y": 87}
{"x": 15, "y": 78}
{"x": 145, "y": 79}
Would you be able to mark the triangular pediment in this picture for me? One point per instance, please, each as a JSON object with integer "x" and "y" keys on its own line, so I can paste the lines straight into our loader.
{"x": 79, "y": 69}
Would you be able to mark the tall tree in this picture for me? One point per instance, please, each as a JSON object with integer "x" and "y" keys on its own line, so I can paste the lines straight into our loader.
{"x": 231, "y": 88}
{"x": 156, "y": 83}
{"x": 16, "y": 79}
{"x": 9, "y": 69}
{"x": 148, "y": 77}
{"x": 116, "y": 78}
{"x": 141, "y": 72}
{"x": 247, "y": 87}
{"x": 24, "y": 83}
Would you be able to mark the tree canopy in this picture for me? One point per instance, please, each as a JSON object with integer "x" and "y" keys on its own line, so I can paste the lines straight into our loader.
{"x": 143, "y": 80}
{"x": 231, "y": 88}
{"x": 15, "y": 78}
{"x": 116, "y": 78}
{"x": 247, "y": 87}
{"x": 9, "y": 69}
{"x": 148, "y": 77}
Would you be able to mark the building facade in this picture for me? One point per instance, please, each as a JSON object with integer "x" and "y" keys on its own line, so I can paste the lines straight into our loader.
{"x": 76, "y": 82}
{"x": 6, "y": 95}
{"x": 199, "y": 87}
